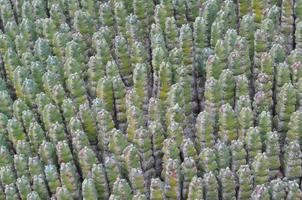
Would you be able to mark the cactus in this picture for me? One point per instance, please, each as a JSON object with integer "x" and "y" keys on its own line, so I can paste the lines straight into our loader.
{"x": 227, "y": 183}
{"x": 238, "y": 153}
{"x": 273, "y": 152}
{"x": 291, "y": 164}
{"x": 253, "y": 143}
{"x": 260, "y": 169}
{"x": 245, "y": 180}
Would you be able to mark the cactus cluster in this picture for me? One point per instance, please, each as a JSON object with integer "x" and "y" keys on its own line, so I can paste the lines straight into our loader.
{"x": 150, "y": 99}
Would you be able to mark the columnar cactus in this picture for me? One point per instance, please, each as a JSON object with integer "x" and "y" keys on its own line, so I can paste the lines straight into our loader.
{"x": 208, "y": 161}
{"x": 227, "y": 123}
{"x": 278, "y": 189}
{"x": 292, "y": 160}
{"x": 238, "y": 153}
{"x": 227, "y": 183}
{"x": 188, "y": 171}
{"x": 293, "y": 190}
{"x": 253, "y": 143}
{"x": 172, "y": 179}
{"x": 204, "y": 130}
{"x": 156, "y": 189}
{"x": 273, "y": 153}
{"x": 260, "y": 168}
{"x": 245, "y": 182}
{"x": 211, "y": 186}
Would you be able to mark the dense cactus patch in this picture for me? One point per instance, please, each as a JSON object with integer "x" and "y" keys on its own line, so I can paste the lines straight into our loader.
{"x": 150, "y": 99}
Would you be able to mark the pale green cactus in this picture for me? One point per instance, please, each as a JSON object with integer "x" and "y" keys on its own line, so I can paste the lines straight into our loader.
{"x": 260, "y": 46}
{"x": 33, "y": 196}
{"x": 76, "y": 87}
{"x": 278, "y": 189}
{"x": 208, "y": 161}
{"x": 105, "y": 125}
{"x": 195, "y": 188}
{"x": 293, "y": 190}
{"x": 121, "y": 50}
{"x": 56, "y": 132}
{"x": 50, "y": 79}
{"x": 86, "y": 158}
{"x": 218, "y": 28}
{"x": 47, "y": 153}
{"x": 63, "y": 152}
{"x": 62, "y": 194}
{"x": 121, "y": 189}
{"x": 6, "y": 158}
{"x": 42, "y": 49}
{"x": 299, "y": 89}
{"x": 34, "y": 166}
{"x": 117, "y": 143}
{"x": 23, "y": 147}
{"x": 19, "y": 74}
{"x": 227, "y": 183}
{"x": 144, "y": 146}
{"x": 298, "y": 35}
{"x": 20, "y": 164}
{"x": 245, "y": 120}
{"x": 120, "y": 15}
{"x": 137, "y": 181}
{"x": 260, "y": 192}
{"x": 259, "y": 9}
{"x": 88, "y": 189}
{"x": 119, "y": 91}
{"x": 134, "y": 32}
{"x": 211, "y": 186}
{"x": 227, "y": 84}
{"x": 89, "y": 123}
{"x": 7, "y": 175}
{"x": 7, "y": 13}
{"x": 188, "y": 149}
{"x": 157, "y": 137}
{"x": 52, "y": 177}
{"x": 131, "y": 158}
{"x": 99, "y": 177}
{"x": 113, "y": 170}
{"x": 11, "y": 192}
{"x": 204, "y": 130}
{"x": 39, "y": 185}
{"x": 51, "y": 114}
{"x": 294, "y": 128}
{"x": 171, "y": 32}
{"x": 23, "y": 186}
{"x": 286, "y": 102}
{"x": 171, "y": 151}
{"x": 156, "y": 189}
{"x": 227, "y": 124}
{"x": 253, "y": 143}
{"x": 172, "y": 179}
{"x": 287, "y": 24}
{"x": 6, "y": 103}
{"x": 83, "y": 22}
{"x": 69, "y": 178}
{"x": 292, "y": 160}
{"x": 212, "y": 98}
{"x": 244, "y": 7}
{"x": 188, "y": 172}
{"x": 186, "y": 43}
{"x": 238, "y": 153}
{"x": 273, "y": 152}
{"x": 265, "y": 125}
{"x": 15, "y": 131}
{"x": 245, "y": 180}
{"x": 260, "y": 167}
